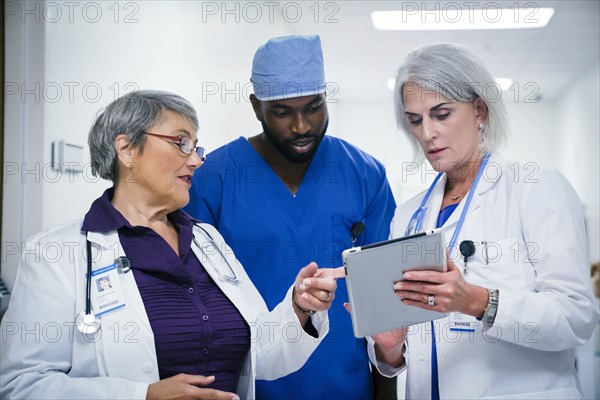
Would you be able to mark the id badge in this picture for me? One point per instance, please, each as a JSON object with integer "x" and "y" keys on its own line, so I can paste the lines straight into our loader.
{"x": 460, "y": 322}
{"x": 107, "y": 294}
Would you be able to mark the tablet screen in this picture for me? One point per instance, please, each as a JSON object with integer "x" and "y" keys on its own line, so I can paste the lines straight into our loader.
{"x": 371, "y": 272}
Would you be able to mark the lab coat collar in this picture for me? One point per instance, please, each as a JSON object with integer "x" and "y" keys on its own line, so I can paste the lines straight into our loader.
{"x": 106, "y": 240}
{"x": 489, "y": 178}
{"x": 106, "y": 247}
{"x": 212, "y": 260}
{"x": 492, "y": 173}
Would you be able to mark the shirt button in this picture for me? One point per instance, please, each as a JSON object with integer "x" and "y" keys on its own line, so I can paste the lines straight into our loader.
{"x": 205, "y": 350}
{"x": 421, "y": 358}
{"x": 191, "y": 290}
{"x": 444, "y": 360}
{"x": 148, "y": 367}
{"x": 205, "y": 317}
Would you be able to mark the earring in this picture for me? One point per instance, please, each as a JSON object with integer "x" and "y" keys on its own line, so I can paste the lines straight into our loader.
{"x": 482, "y": 132}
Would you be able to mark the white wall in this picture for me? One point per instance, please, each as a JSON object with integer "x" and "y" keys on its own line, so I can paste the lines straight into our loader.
{"x": 23, "y": 209}
{"x": 579, "y": 133}
{"x": 579, "y": 125}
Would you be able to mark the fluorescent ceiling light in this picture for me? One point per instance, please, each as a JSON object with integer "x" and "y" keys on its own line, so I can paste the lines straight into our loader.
{"x": 503, "y": 83}
{"x": 452, "y": 17}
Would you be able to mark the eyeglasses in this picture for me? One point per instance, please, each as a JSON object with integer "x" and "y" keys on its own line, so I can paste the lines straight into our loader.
{"x": 185, "y": 144}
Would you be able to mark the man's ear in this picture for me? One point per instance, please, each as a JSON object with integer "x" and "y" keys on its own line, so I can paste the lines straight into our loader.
{"x": 256, "y": 106}
{"x": 481, "y": 110}
{"x": 124, "y": 150}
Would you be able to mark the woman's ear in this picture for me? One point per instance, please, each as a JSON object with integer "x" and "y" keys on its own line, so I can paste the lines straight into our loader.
{"x": 124, "y": 150}
{"x": 481, "y": 110}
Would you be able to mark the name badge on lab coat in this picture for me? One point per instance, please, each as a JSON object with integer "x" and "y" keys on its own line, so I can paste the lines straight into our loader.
{"x": 107, "y": 294}
{"x": 460, "y": 322}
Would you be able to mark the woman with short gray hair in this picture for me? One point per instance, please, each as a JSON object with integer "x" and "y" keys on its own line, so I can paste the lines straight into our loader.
{"x": 171, "y": 313}
{"x": 131, "y": 115}
{"x": 517, "y": 291}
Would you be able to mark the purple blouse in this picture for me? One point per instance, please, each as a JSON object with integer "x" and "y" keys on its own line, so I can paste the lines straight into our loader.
{"x": 197, "y": 330}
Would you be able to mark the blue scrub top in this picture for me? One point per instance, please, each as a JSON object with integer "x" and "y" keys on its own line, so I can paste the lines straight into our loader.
{"x": 274, "y": 234}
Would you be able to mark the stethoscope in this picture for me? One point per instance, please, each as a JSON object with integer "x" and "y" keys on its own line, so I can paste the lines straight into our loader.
{"x": 231, "y": 277}
{"x": 416, "y": 221}
{"x": 88, "y": 323}
{"x": 415, "y": 225}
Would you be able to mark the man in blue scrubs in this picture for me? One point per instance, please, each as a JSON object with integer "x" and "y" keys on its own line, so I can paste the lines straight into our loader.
{"x": 291, "y": 195}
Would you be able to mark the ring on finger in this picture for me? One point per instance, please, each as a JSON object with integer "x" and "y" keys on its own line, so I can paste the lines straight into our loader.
{"x": 431, "y": 300}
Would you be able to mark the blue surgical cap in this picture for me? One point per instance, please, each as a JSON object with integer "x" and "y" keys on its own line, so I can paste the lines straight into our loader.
{"x": 288, "y": 66}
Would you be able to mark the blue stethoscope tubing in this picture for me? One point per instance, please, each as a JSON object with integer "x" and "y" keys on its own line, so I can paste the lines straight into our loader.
{"x": 418, "y": 219}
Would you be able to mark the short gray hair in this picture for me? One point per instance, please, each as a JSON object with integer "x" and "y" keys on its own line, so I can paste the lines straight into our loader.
{"x": 457, "y": 74}
{"x": 131, "y": 115}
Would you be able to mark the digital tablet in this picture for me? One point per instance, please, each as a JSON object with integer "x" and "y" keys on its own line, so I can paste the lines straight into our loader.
{"x": 371, "y": 272}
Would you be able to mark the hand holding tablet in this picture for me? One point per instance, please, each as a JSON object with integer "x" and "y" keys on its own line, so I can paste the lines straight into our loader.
{"x": 373, "y": 270}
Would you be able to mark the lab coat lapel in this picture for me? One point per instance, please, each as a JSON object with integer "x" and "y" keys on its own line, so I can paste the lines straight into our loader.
{"x": 490, "y": 176}
{"x": 211, "y": 260}
{"x": 434, "y": 203}
{"x": 110, "y": 248}
{"x": 126, "y": 335}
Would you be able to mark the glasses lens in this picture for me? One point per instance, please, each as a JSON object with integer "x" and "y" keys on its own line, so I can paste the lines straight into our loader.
{"x": 200, "y": 151}
{"x": 186, "y": 145}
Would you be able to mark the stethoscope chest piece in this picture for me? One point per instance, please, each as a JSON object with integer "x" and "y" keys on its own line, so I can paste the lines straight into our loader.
{"x": 87, "y": 324}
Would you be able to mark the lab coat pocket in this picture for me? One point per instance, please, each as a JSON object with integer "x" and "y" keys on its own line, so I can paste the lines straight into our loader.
{"x": 499, "y": 264}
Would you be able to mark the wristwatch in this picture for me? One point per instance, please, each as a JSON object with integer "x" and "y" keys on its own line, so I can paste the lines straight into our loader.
{"x": 489, "y": 315}
{"x": 302, "y": 310}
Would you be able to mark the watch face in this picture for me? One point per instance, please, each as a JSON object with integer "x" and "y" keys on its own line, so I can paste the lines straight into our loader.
{"x": 491, "y": 311}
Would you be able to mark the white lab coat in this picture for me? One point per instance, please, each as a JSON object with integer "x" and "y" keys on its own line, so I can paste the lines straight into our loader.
{"x": 537, "y": 257}
{"x": 45, "y": 356}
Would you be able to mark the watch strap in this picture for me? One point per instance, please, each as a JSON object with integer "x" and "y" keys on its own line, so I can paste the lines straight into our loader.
{"x": 489, "y": 315}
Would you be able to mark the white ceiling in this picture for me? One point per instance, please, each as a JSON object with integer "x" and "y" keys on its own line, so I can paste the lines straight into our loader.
{"x": 360, "y": 59}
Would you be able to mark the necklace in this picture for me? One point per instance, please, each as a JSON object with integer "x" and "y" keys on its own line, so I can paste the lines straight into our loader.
{"x": 456, "y": 197}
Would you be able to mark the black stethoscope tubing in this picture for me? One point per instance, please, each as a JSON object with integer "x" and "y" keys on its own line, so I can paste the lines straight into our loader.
{"x": 88, "y": 279}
